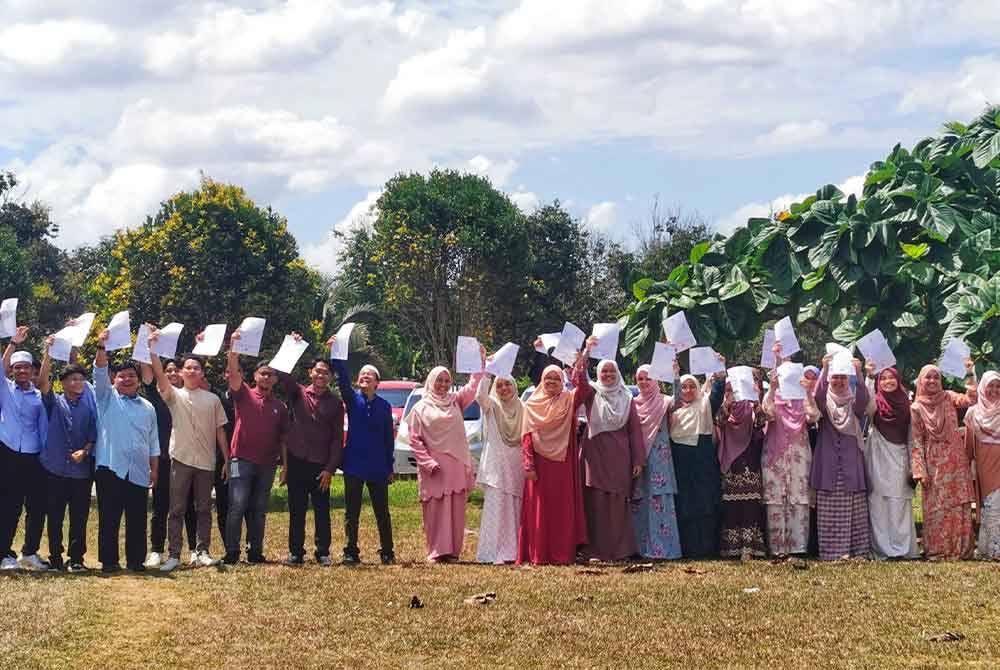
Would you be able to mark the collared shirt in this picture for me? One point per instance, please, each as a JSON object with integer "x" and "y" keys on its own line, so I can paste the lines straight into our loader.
{"x": 196, "y": 415}
{"x": 126, "y": 431}
{"x": 316, "y": 433}
{"x": 261, "y": 425}
{"x": 72, "y": 425}
{"x": 369, "y": 451}
{"x": 23, "y": 423}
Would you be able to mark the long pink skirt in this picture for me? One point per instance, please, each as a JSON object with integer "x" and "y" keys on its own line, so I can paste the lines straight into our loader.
{"x": 444, "y": 525}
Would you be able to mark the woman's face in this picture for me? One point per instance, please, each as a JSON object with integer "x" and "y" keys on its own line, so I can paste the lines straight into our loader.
{"x": 840, "y": 384}
{"x": 608, "y": 374}
{"x": 505, "y": 389}
{"x": 443, "y": 383}
{"x": 810, "y": 378}
{"x": 932, "y": 381}
{"x": 993, "y": 391}
{"x": 645, "y": 383}
{"x": 173, "y": 374}
{"x": 888, "y": 383}
{"x": 689, "y": 390}
{"x": 552, "y": 383}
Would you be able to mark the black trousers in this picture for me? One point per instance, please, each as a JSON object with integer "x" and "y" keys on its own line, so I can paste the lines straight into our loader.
{"x": 115, "y": 497}
{"x": 63, "y": 492}
{"x": 22, "y": 486}
{"x": 303, "y": 484}
{"x": 161, "y": 508}
{"x": 378, "y": 491}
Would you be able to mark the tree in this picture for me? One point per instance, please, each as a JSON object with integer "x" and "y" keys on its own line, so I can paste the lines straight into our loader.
{"x": 917, "y": 256}
{"x": 665, "y": 238}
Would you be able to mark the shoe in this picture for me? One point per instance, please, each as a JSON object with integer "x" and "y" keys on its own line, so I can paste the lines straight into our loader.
{"x": 193, "y": 559}
{"x": 170, "y": 564}
{"x": 55, "y": 563}
{"x": 33, "y": 562}
{"x": 293, "y": 560}
{"x": 154, "y": 560}
{"x": 138, "y": 567}
{"x": 350, "y": 559}
{"x": 257, "y": 559}
{"x": 9, "y": 563}
{"x": 388, "y": 558}
{"x": 111, "y": 568}
{"x": 231, "y": 558}
{"x": 324, "y": 561}
{"x": 77, "y": 568}
{"x": 203, "y": 559}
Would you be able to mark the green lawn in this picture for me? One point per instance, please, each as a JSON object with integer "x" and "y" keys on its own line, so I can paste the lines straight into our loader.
{"x": 678, "y": 615}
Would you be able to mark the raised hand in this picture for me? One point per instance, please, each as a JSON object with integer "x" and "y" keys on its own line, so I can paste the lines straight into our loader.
{"x": 21, "y": 335}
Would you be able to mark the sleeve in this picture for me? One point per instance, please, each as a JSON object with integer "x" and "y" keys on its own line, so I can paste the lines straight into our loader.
{"x": 220, "y": 413}
{"x": 819, "y": 395}
{"x": 717, "y": 395}
{"x": 467, "y": 395}
{"x": 152, "y": 435}
{"x": 483, "y": 394}
{"x": 389, "y": 440}
{"x": 49, "y": 401}
{"x": 335, "y": 452}
{"x": 527, "y": 453}
{"x": 767, "y": 406}
{"x": 636, "y": 439}
{"x": 286, "y": 422}
{"x": 292, "y": 388}
{"x": 423, "y": 457}
{"x": 918, "y": 460}
{"x": 102, "y": 386}
{"x": 6, "y": 394}
{"x": 92, "y": 430}
{"x": 861, "y": 401}
{"x": 582, "y": 390}
{"x": 961, "y": 400}
{"x": 344, "y": 384}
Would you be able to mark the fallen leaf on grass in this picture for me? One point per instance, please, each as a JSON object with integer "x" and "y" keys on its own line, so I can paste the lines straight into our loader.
{"x": 416, "y": 603}
{"x": 695, "y": 571}
{"x": 752, "y": 589}
{"x": 481, "y": 598}
{"x": 946, "y": 636}
{"x": 637, "y": 567}
{"x": 589, "y": 571}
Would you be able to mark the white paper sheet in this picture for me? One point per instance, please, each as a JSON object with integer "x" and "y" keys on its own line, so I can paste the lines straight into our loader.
{"x": 832, "y": 348}
{"x": 607, "y": 341}
{"x": 503, "y": 360}
{"x": 678, "y": 332}
{"x": 119, "y": 332}
{"x": 953, "y": 358}
{"x": 8, "y": 317}
{"x": 251, "y": 335}
{"x": 662, "y": 366}
{"x": 570, "y": 341}
{"x": 704, "y": 361}
{"x": 790, "y": 381}
{"x": 842, "y": 364}
{"x": 784, "y": 332}
{"x": 140, "y": 351}
{"x": 166, "y": 343}
{"x": 549, "y": 341}
{"x": 340, "y": 349}
{"x": 61, "y": 348}
{"x": 468, "y": 358}
{"x": 767, "y": 351}
{"x": 875, "y": 349}
{"x": 211, "y": 342}
{"x": 77, "y": 333}
{"x": 741, "y": 381}
{"x": 289, "y": 354}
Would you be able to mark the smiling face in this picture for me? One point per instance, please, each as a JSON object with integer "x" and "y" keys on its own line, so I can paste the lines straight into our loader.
{"x": 265, "y": 378}
{"x": 932, "y": 381}
{"x": 645, "y": 383}
{"x": 552, "y": 383}
{"x": 689, "y": 390}
{"x": 192, "y": 374}
{"x": 993, "y": 391}
{"x": 608, "y": 374}
{"x": 839, "y": 384}
{"x": 23, "y": 373}
{"x": 367, "y": 381}
{"x": 73, "y": 385}
{"x": 320, "y": 374}
{"x": 810, "y": 377}
{"x": 887, "y": 383}
{"x": 505, "y": 388}
{"x": 127, "y": 381}
{"x": 173, "y": 374}
{"x": 443, "y": 383}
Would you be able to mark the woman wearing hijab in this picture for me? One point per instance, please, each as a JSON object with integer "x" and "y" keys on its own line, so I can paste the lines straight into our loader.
{"x": 785, "y": 468}
{"x": 699, "y": 492}
{"x": 942, "y": 465}
{"x": 838, "y": 471}
{"x": 653, "y": 491}
{"x": 741, "y": 441}
{"x": 500, "y": 473}
{"x": 552, "y": 520}
{"x": 887, "y": 464}
{"x": 444, "y": 465}
{"x": 612, "y": 452}
{"x": 982, "y": 438}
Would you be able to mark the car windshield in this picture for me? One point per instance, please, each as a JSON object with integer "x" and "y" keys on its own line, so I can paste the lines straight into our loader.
{"x": 471, "y": 412}
{"x": 395, "y": 397}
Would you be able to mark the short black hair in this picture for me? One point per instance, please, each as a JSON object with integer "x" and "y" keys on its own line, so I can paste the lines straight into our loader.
{"x": 262, "y": 363}
{"x": 176, "y": 362}
{"x": 182, "y": 359}
{"x": 127, "y": 365}
{"x": 323, "y": 361}
{"x": 74, "y": 369}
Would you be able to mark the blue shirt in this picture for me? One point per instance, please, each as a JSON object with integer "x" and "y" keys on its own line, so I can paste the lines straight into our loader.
{"x": 72, "y": 425}
{"x": 23, "y": 424}
{"x": 126, "y": 431}
{"x": 368, "y": 454}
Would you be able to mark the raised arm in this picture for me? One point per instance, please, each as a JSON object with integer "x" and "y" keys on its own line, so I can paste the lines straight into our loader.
{"x": 861, "y": 394}
{"x": 582, "y": 389}
{"x": 163, "y": 385}
{"x": 17, "y": 338}
{"x": 819, "y": 394}
{"x": 468, "y": 393}
{"x": 483, "y": 393}
{"x": 233, "y": 364}
{"x": 45, "y": 372}
{"x": 343, "y": 382}
{"x": 102, "y": 382}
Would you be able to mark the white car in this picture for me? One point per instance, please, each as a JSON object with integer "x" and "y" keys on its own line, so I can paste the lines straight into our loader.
{"x": 404, "y": 461}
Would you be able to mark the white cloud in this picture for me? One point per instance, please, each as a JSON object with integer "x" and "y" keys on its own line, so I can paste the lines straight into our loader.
{"x": 51, "y": 48}
{"x": 602, "y": 216}
{"x": 730, "y": 222}
{"x": 526, "y": 201}
{"x": 964, "y": 93}
{"x": 498, "y": 172}
{"x": 793, "y": 134}
{"x": 323, "y": 255}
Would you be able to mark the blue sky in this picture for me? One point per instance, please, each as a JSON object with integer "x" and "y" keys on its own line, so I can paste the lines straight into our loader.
{"x": 727, "y": 107}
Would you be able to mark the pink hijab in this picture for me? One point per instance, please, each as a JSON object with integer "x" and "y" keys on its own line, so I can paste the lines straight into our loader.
{"x": 734, "y": 435}
{"x": 789, "y": 424}
{"x": 651, "y": 407}
{"x": 984, "y": 416}
{"x": 437, "y": 420}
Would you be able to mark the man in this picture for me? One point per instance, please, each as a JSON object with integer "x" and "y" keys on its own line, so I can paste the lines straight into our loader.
{"x": 198, "y": 420}
{"x": 23, "y": 426}
{"x": 313, "y": 451}
{"x": 161, "y": 494}
{"x": 368, "y": 457}
{"x": 68, "y": 459}
{"x": 261, "y": 425}
{"x": 128, "y": 450}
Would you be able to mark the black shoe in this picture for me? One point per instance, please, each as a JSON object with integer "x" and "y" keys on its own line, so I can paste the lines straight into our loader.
{"x": 231, "y": 558}
{"x": 111, "y": 568}
{"x": 257, "y": 558}
{"x": 293, "y": 560}
{"x": 350, "y": 559}
{"x": 388, "y": 558}
{"x": 137, "y": 567}
{"x": 56, "y": 563}
{"x": 76, "y": 567}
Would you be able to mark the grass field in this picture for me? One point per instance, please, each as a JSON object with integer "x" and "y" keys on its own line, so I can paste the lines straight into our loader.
{"x": 678, "y": 615}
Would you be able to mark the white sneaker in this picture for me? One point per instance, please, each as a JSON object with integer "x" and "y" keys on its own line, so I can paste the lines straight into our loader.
{"x": 206, "y": 561}
{"x": 154, "y": 560}
{"x": 170, "y": 565}
{"x": 33, "y": 562}
{"x": 9, "y": 563}
{"x": 193, "y": 560}
{"x": 324, "y": 561}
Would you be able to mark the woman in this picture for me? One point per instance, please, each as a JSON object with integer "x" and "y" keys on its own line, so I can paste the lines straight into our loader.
{"x": 552, "y": 519}
{"x": 699, "y": 492}
{"x": 653, "y": 492}
{"x": 500, "y": 474}
{"x": 785, "y": 469}
{"x": 612, "y": 452}
{"x": 982, "y": 438}
{"x": 741, "y": 441}
{"x": 444, "y": 465}
{"x": 838, "y": 472}
{"x": 941, "y": 464}
{"x": 887, "y": 464}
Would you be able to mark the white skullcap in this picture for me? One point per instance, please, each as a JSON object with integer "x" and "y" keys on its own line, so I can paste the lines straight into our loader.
{"x": 21, "y": 357}
{"x": 372, "y": 369}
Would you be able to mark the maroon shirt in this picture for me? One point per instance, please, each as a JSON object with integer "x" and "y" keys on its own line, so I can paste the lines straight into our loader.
{"x": 316, "y": 433}
{"x": 261, "y": 423}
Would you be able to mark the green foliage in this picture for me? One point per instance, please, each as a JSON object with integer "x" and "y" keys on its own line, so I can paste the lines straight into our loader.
{"x": 916, "y": 256}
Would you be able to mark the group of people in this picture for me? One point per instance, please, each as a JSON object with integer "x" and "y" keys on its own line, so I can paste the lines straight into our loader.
{"x": 142, "y": 426}
{"x": 579, "y": 470}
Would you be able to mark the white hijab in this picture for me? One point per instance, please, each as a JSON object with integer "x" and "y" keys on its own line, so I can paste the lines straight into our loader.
{"x": 610, "y": 409}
